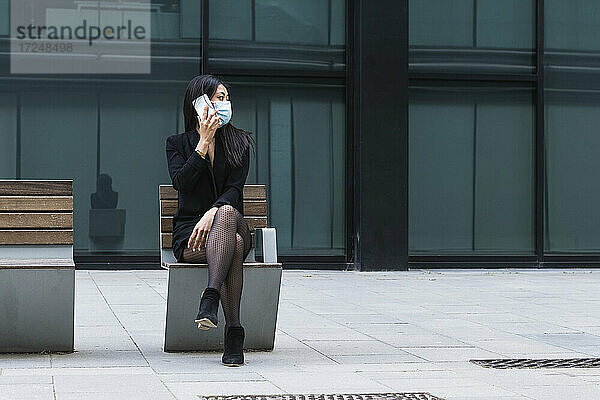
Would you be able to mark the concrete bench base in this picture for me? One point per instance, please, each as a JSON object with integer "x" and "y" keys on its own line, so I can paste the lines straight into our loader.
{"x": 258, "y": 308}
{"x": 36, "y": 309}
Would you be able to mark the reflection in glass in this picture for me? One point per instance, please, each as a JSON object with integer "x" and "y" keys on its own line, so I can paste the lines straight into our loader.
{"x": 471, "y": 170}
{"x": 104, "y": 197}
{"x": 107, "y": 223}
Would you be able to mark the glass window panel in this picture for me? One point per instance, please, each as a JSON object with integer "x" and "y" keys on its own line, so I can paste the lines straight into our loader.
{"x": 571, "y": 55}
{"x": 312, "y": 208}
{"x": 165, "y": 21}
{"x": 132, "y": 141}
{"x": 8, "y": 135}
{"x": 441, "y": 23}
{"x": 176, "y": 48}
{"x": 441, "y": 176}
{"x": 460, "y": 201}
{"x": 471, "y": 36}
{"x": 572, "y": 25}
{"x": 337, "y": 34}
{"x": 231, "y": 20}
{"x": 291, "y": 123}
{"x": 280, "y": 36}
{"x": 59, "y": 141}
{"x": 191, "y": 19}
{"x": 572, "y": 166}
{"x": 504, "y": 204}
{"x": 4, "y": 17}
{"x": 572, "y": 84}
{"x": 506, "y": 24}
{"x": 291, "y": 21}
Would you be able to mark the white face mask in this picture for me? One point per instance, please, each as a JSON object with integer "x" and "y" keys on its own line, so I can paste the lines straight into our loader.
{"x": 223, "y": 110}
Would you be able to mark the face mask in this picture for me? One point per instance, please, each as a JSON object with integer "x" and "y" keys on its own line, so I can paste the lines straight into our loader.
{"x": 223, "y": 110}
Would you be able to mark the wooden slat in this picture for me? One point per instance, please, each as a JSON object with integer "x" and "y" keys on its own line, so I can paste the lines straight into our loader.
{"x": 37, "y": 236}
{"x": 168, "y": 207}
{"x": 255, "y": 192}
{"x": 256, "y": 222}
{"x": 36, "y": 220}
{"x": 38, "y": 263}
{"x": 167, "y": 192}
{"x": 251, "y": 207}
{"x": 251, "y": 192}
{"x": 36, "y": 203}
{"x": 255, "y": 207}
{"x": 167, "y": 240}
{"x": 166, "y": 223}
{"x": 20, "y": 187}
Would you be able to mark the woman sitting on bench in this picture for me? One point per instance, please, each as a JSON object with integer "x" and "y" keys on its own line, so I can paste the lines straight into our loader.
{"x": 208, "y": 165}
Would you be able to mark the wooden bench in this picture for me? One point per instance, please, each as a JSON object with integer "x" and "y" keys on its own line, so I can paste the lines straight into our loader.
{"x": 260, "y": 293}
{"x": 37, "y": 272}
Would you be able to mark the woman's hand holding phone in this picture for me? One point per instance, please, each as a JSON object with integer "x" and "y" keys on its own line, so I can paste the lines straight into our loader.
{"x": 207, "y": 125}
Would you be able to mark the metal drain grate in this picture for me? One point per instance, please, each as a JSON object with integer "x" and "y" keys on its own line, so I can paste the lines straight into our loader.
{"x": 540, "y": 363}
{"x": 366, "y": 396}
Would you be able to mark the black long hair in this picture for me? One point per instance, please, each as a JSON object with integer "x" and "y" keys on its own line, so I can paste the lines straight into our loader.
{"x": 235, "y": 140}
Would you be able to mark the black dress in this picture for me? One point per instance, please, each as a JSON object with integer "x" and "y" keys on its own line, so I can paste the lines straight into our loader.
{"x": 200, "y": 185}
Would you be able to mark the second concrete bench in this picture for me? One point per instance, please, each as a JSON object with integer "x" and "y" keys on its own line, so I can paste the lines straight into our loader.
{"x": 37, "y": 272}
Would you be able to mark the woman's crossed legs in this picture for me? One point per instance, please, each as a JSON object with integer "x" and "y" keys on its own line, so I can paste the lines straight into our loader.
{"x": 225, "y": 250}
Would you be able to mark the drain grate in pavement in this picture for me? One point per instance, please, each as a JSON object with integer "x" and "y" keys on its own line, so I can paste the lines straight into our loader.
{"x": 366, "y": 396}
{"x": 539, "y": 363}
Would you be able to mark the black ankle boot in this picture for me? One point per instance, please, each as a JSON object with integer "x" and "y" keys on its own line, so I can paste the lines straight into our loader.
{"x": 233, "y": 354}
{"x": 209, "y": 306}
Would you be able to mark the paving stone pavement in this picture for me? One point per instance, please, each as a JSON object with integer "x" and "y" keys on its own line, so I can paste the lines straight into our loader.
{"x": 337, "y": 332}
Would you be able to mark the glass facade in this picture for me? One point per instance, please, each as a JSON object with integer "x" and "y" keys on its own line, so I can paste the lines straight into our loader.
{"x": 88, "y": 126}
{"x": 475, "y": 178}
{"x": 502, "y": 104}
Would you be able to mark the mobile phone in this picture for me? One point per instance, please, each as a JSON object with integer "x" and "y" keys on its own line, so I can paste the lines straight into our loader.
{"x": 201, "y": 103}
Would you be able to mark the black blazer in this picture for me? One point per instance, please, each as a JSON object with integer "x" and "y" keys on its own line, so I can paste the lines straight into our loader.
{"x": 201, "y": 186}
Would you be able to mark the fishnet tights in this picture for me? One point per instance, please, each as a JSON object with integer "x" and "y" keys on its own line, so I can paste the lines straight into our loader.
{"x": 226, "y": 247}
